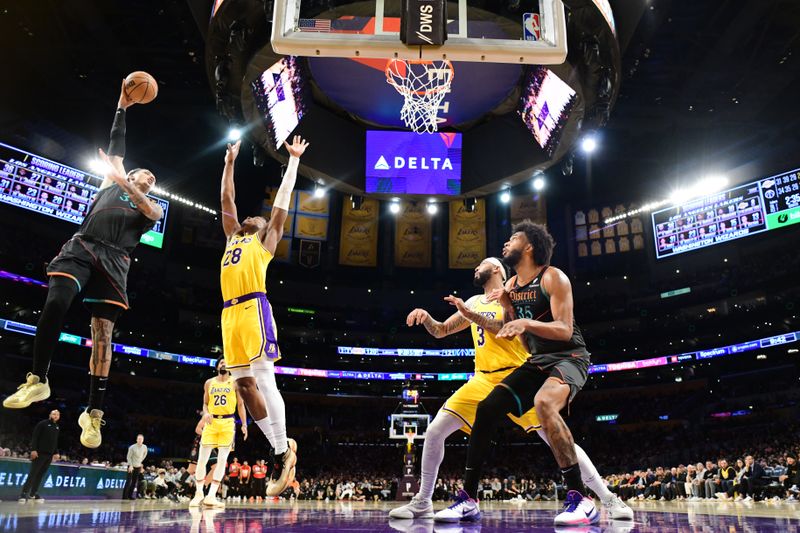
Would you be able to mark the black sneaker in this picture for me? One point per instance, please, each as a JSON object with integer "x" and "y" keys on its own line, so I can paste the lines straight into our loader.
{"x": 23, "y": 498}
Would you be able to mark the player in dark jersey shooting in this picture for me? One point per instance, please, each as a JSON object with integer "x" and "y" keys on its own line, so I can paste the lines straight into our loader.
{"x": 95, "y": 262}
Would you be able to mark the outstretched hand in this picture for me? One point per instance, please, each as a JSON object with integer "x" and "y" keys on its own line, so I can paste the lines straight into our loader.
{"x": 297, "y": 147}
{"x": 457, "y": 302}
{"x": 417, "y": 317}
{"x": 124, "y": 101}
{"x": 233, "y": 152}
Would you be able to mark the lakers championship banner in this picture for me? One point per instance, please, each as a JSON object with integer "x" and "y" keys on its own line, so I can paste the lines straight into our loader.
{"x": 359, "y": 238}
{"x": 412, "y": 236}
{"x": 467, "y": 234}
{"x": 530, "y": 207}
{"x": 308, "y": 204}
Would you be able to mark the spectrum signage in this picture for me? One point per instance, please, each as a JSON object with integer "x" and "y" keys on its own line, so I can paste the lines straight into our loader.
{"x": 404, "y": 162}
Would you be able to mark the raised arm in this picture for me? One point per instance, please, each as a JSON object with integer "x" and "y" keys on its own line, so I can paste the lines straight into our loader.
{"x": 490, "y": 324}
{"x": 145, "y": 205}
{"x": 280, "y": 207}
{"x": 230, "y": 217}
{"x": 454, "y": 324}
{"x": 116, "y": 144}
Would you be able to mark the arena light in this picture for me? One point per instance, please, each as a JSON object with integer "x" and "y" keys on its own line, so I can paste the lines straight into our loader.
{"x": 319, "y": 191}
{"x": 646, "y": 208}
{"x": 505, "y": 196}
{"x": 432, "y": 208}
{"x": 98, "y": 166}
{"x": 234, "y": 134}
{"x": 589, "y": 144}
{"x": 703, "y": 187}
{"x": 538, "y": 183}
{"x": 394, "y": 207}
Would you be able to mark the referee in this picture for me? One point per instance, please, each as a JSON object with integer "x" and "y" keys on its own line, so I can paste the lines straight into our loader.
{"x": 43, "y": 446}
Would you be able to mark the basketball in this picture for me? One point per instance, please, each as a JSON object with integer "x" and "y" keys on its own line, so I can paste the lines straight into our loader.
{"x": 141, "y": 87}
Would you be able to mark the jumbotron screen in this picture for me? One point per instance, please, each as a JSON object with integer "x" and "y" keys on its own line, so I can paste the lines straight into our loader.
{"x": 742, "y": 211}
{"x": 404, "y": 162}
{"x": 38, "y": 184}
{"x": 545, "y": 106}
{"x": 280, "y": 95}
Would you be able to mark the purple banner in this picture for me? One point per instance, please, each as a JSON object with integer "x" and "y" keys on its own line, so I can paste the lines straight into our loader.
{"x": 401, "y": 162}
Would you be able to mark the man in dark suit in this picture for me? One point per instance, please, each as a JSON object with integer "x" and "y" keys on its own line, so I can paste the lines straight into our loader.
{"x": 753, "y": 478}
{"x": 44, "y": 444}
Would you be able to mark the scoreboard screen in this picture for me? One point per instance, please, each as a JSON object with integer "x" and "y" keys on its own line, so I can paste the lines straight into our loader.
{"x": 38, "y": 184}
{"x": 742, "y": 211}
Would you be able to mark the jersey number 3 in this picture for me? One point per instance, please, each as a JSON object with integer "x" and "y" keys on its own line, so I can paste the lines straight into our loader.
{"x": 481, "y": 336}
{"x": 232, "y": 256}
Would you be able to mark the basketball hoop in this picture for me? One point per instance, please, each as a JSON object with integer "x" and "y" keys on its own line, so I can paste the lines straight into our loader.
{"x": 423, "y": 84}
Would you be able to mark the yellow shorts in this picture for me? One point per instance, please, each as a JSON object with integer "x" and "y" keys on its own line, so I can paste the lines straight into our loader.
{"x": 463, "y": 404}
{"x": 248, "y": 332}
{"x": 219, "y": 433}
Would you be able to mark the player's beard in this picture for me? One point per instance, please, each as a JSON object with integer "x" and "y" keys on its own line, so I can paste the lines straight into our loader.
{"x": 481, "y": 278}
{"x": 513, "y": 258}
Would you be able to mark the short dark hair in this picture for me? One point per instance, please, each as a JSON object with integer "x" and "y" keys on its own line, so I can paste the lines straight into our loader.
{"x": 540, "y": 239}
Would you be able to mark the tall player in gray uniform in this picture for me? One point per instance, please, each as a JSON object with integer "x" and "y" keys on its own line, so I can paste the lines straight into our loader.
{"x": 537, "y": 304}
{"x": 94, "y": 261}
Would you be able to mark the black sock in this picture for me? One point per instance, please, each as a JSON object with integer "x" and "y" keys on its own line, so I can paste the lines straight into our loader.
{"x": 97, "y": 392}
{"x": 59, "y": 297}
{"x": 572, "y": 478}
{"x": 490, "y": 411}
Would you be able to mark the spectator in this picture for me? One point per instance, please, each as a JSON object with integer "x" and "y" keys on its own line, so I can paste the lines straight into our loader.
{"x": 44, "y": 444}
{"x": 136, "y": 455}
{"x": 752, "y": 479}
{"x": 244, "y": 481}
{"x": 259, "y": 480}
{"x": 791, "y": 478}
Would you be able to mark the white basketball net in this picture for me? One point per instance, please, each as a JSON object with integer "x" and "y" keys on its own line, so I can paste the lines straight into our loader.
{"x": 423, "y": 84}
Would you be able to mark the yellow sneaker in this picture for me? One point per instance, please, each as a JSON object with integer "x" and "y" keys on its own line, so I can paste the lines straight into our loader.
{"x": 283, "y": 472}
{"x": 90, "y": 423}
{"x": 213, "y": 503}
{"x": 33, "y": 390}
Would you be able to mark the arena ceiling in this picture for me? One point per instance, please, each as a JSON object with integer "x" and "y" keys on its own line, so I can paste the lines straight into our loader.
{"x": 707, "y": 86}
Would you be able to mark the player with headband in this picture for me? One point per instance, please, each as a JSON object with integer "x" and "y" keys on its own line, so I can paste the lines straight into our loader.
{"x": 249, "y": 336}
{"x": 495, "y": 358}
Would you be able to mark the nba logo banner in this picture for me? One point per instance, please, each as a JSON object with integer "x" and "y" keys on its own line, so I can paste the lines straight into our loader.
{"x": 531, "y": 28}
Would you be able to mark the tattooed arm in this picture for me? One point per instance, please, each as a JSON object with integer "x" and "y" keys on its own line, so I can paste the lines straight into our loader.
{"x": 454, "y": 324}
{"x": 492, "y": 325}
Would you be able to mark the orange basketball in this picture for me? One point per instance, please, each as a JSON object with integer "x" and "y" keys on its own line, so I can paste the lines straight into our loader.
{"x": 141, "y": 87}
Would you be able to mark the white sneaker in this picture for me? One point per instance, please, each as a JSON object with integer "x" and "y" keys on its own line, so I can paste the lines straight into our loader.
{"x": 418, "y": 507}
{"x": 197, "y": 500}
{"x": 212, "y": 502}
{"x": 578, "y": 510}
{"x": 748, "y": 499}
{"x": 617, "y": 509}
{"x": 463, "y": 509}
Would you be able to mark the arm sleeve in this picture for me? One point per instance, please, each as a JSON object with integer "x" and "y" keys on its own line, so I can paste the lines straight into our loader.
{"x": 116, "y": 144}
{"x": 284, "y": 194}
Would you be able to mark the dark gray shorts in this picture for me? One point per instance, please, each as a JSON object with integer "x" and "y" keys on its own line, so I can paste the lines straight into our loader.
{"x": 571, "y": 368}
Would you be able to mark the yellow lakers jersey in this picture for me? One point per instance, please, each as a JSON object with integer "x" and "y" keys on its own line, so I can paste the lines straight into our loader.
{"x": 244, "y": 266}
{"x": 492, "y": 353}
{"x": 221, "y": 397}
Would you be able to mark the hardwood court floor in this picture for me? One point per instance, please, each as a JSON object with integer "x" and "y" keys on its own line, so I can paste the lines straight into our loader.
{"x": 151, "y": 516}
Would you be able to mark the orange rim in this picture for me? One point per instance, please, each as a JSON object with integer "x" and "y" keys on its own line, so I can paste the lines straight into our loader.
{"x": 390, "y": 67}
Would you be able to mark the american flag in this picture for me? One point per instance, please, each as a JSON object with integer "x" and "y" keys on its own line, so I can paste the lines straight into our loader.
{"x": 315, "y": 25}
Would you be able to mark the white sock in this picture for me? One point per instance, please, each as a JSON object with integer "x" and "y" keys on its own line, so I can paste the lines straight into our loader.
{"x": 589, "y": 474}
{"x": 442, "y": 427}
{"x": 264, "y": 372}
{"x": 219, "y": 470}
{"x": 266, "y": 429}
{"x": 200, "y": 472}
